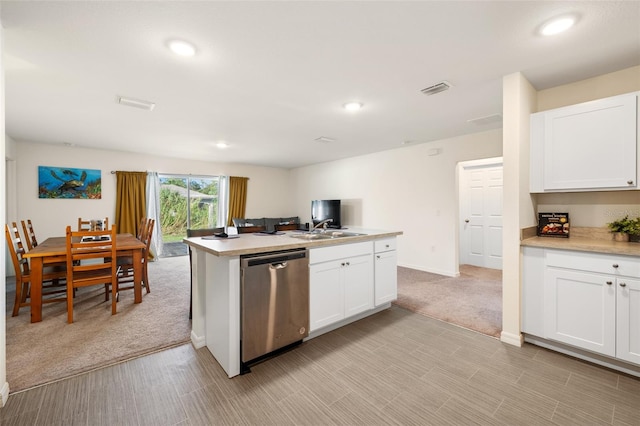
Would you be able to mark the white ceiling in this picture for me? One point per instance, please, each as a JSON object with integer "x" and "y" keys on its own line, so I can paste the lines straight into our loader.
{"x": 270, "y": 77}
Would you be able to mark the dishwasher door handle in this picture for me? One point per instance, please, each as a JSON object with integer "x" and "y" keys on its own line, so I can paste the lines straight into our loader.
{"x": 280, "y": 265}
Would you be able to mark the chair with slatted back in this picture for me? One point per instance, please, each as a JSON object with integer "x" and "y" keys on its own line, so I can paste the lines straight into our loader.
{"x": 85, "y": 225}
{"x": 125, "y": 265}
{"x": 32, "y": 241}
{"x": 53, "y": 285}
{"x": 29, "y": 234}
{"x": 91, "y": 260}
{"x": 142, "y": 228}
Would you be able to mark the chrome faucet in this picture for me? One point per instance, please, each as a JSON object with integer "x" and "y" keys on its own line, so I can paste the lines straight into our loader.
{"x": 322, "y": 223}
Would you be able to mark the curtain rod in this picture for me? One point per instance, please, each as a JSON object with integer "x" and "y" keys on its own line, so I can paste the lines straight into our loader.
{"x": 179, "y": 175}
{"x": 114, "y": 172}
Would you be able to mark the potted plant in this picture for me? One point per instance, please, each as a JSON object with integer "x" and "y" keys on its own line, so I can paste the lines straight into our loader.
{"x": 634, "y": 230}
{"x": 624, "y": 227}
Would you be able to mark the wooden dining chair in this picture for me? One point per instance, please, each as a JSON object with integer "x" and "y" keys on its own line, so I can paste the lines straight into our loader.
{"x": 29, "y": 234}
{"x": 53, "y": 277}
{"x": 32, "y": 241}
{"x": 125, "y": 265}
{"x": 91, "y": 260}
{"x": 85, "y": 225}
{"x": 250, "y": 229}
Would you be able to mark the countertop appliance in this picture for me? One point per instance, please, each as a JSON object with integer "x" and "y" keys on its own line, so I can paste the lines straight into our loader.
{"x": 274, "y": 294}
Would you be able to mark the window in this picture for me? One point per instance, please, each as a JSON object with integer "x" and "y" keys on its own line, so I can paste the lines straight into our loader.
{"x": 188, "y": 202}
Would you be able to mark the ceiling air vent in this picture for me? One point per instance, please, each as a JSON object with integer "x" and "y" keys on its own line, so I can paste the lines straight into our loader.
{"x": 437, "y": 88}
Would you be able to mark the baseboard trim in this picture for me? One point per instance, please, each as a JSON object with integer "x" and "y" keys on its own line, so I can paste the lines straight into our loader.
{"x": 512, "y": 339}
{"x": 197, "y": 341}
{"x": 614, "y": 364}
{"x": 4, "y": 394}
{"x": 346, "y": 321}
{"x": 453, "y": 274}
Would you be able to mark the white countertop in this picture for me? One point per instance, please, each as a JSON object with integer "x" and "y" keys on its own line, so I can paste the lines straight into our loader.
{"x": 261, "y": 243}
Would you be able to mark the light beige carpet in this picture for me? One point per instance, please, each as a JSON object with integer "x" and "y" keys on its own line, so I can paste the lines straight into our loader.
{"x": 52, "y": 349}
{"x": 473, "y": 300}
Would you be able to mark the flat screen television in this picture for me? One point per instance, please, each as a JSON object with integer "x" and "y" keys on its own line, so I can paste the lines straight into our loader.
{"x": 326, "y": 209}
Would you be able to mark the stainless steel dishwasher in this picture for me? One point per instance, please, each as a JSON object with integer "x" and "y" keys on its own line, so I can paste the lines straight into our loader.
{"x": 274, "y": 294}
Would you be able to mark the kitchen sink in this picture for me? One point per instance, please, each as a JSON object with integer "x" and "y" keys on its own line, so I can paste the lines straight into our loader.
{"x": 325, "y": 235}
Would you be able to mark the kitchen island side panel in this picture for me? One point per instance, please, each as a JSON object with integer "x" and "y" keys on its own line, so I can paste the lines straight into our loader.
{"x": 222, "y": 278}
{"x": 198, "y": 300}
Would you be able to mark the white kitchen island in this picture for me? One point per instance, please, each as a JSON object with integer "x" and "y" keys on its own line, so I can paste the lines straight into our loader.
{"x": 216, "y": 283}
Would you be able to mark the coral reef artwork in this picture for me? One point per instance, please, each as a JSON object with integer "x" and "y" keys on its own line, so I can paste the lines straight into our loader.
{"x": 66, "y": 182}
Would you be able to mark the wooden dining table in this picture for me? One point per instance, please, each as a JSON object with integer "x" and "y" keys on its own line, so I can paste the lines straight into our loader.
{"x": 54, "y": 250}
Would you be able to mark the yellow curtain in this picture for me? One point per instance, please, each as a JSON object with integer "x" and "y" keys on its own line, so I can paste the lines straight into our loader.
{"x": 131, "y": 201}
{"x": 237, "y": 197}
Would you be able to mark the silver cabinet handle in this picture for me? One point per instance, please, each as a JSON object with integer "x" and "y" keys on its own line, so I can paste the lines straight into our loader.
{"x": 466, "y": 221}
{"x": 378, "y": 256}
{"x": 342, "y": 264}
{"x": 630, "y": 182}
{"x": 386, "y": 246}
{"x": 615, "y": 265}
{"x": 609, "y": 282}
{"x": 623, "y": 285}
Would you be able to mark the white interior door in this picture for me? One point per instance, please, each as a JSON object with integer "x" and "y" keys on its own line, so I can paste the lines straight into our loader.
{"x": 481, "y": 213}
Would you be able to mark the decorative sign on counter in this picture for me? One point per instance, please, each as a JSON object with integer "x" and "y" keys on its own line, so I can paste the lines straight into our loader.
{"x": 553, "y": 225}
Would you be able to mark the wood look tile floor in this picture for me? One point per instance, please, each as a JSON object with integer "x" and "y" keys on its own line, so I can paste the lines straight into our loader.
{"x": 396, "y": 367}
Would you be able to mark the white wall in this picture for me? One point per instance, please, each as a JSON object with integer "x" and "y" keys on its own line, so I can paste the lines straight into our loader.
{"x": 50, "y": 217}
{"x": 403, "y": 189}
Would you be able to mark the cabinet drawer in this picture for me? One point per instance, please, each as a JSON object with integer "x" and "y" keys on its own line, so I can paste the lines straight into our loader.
{"x": 385, "y": 244}
{"x": 325, "y": 254}
{"x": 594, "y": 262}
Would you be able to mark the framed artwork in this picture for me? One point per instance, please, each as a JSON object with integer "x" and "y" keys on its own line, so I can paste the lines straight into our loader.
{"x": 65, "y": 182}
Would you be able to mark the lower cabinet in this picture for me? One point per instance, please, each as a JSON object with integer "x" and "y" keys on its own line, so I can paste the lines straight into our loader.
{"x": 628, "y": 320}
{"x": 581, "y": 310}
{"x": 386, "y": 271}
{"x": 341, "y": 283}
{"x": 587, "y": 300}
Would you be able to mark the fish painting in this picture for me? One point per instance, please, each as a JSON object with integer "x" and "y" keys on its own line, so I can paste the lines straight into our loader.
{"x": 64, "y": 182}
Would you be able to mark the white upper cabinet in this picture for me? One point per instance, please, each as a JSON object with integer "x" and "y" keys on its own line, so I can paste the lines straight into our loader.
{"x": 592, "y": 146}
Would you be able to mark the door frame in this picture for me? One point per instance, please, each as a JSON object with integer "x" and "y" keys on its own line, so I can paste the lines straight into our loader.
{"x": 460, "y": 168}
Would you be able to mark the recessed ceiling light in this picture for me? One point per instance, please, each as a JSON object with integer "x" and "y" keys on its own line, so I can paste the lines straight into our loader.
{"x": 557, "y": 25}
{"x": 182, "y": 48}
{"x": 353, "y": 106}
{"x": 222, "y": 145}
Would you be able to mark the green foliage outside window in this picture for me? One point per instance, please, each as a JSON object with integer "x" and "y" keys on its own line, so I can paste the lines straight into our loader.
{"x": 173, "y": 207}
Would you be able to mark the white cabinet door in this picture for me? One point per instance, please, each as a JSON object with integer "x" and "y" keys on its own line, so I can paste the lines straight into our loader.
{"x": 580, "y": 309}
{"x": 589, "y": 146}
{"x": 386, "y": 277}
{"x": 339, "y": 289}
{"x": 628, "y": 303}
{"x": 357, "y": 277}
{"x": 326, "y": 294}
